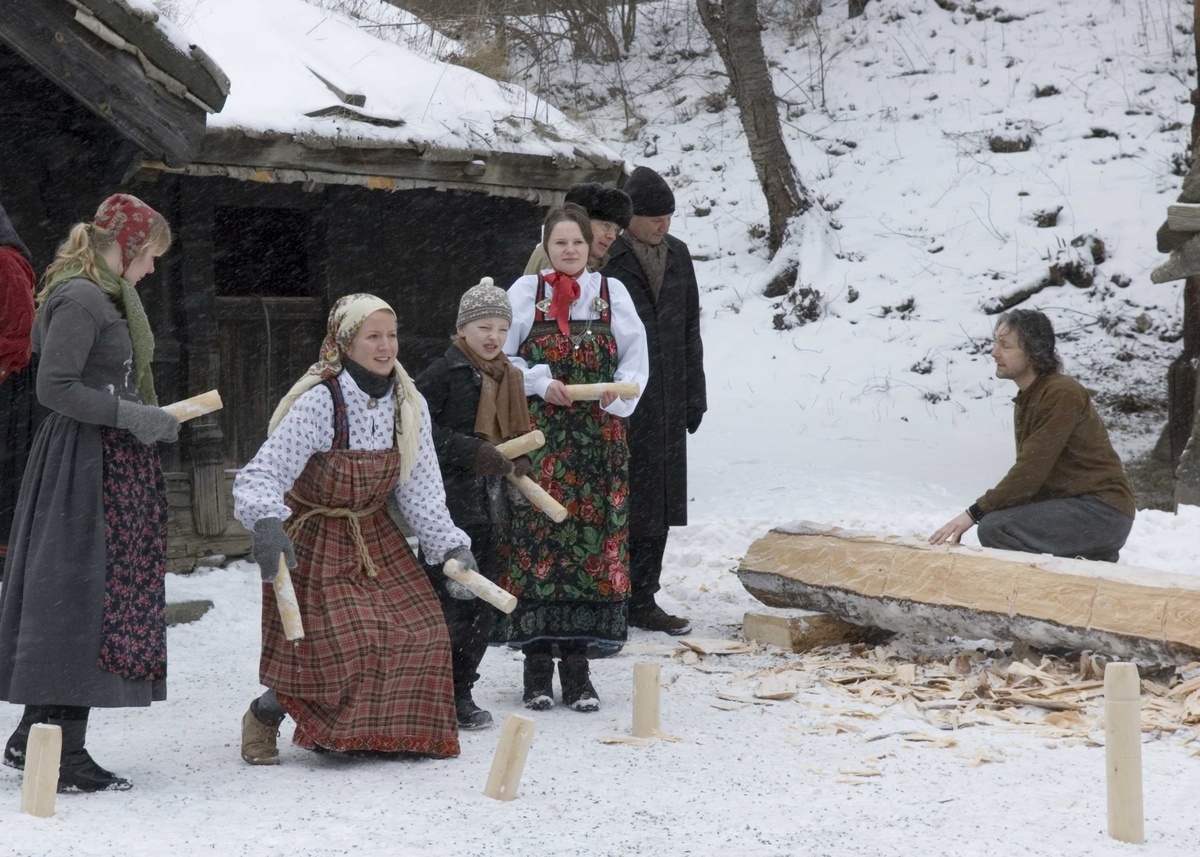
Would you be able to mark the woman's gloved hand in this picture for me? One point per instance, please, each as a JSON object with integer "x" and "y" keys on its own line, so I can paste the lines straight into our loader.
{"x": 148, "y": 424}
{"x": 463, "y": 556}
{"x": 269, "y": 542}
{"x": 490, "y": 461}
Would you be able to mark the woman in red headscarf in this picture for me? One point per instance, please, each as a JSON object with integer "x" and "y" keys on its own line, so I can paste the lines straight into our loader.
{"x": 572, "y": 326}
{"x": 83, "y": 606}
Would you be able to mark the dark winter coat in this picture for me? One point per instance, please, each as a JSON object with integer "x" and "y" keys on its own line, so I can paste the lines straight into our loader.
{"x": 451, "y": 389}
{"x": 674, "y": 398}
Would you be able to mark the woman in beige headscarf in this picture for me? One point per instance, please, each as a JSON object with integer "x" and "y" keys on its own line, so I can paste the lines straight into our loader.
{"x": 373, "y": 669}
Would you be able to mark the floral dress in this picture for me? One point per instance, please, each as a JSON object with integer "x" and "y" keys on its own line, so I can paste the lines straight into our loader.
{"x": 572, "y": 578}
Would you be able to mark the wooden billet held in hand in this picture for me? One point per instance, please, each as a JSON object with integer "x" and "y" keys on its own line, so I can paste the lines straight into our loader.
{"x": 905, "y": 584}
{"x": 537, "y": 495}
{"x": 285, "y": 599}
{"x": 519, "y": 446}
{"x": 509, "y": 762}
{"x": 592, "y": 392}
{"x": 501, "y": 599}
{"x": 1123, "y": 752}
{"x": 196, "y": 406}
{"x": 645, "y": 699}
{"x": 42, "y": 754}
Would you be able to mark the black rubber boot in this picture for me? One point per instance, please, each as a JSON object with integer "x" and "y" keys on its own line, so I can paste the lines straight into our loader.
{"x": 470, "y": 716}
{"x": 78, "y": 772}
{"x": 577, "y": 690}
{"x": 14, "y": 750}
{"x": 539, "y": 682}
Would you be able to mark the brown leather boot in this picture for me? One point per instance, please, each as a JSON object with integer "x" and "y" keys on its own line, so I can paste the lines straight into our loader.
{"x": 258, "y": 741}
{"x": 654, "y": 618}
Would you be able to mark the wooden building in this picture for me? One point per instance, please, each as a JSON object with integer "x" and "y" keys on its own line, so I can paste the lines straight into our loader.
{"x": 314, "y": 177}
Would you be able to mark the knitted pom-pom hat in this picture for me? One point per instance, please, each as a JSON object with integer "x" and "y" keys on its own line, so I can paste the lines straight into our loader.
{"x": 484, "y": 301}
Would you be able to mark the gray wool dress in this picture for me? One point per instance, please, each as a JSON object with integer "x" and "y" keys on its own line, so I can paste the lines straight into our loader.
{"x": 52, "y": 599}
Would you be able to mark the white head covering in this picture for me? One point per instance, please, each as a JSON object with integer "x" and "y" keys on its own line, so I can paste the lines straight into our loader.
{"x": 345, "y": 319}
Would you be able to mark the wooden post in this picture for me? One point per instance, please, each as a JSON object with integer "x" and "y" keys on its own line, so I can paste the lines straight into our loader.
{"x": 509, "y": 763}
{"x": 646, "y": 699}
{"x": 518, "y": 446}
{"x": 42, "y": 754}
{"x": 196, "y": 406}
{"x": 537, "y": 495}
{"x": 285, "y": 600}
{"x": 593, "y": 392}
{"x": 1123, "y": 751}
{"x": 484, "y": 589}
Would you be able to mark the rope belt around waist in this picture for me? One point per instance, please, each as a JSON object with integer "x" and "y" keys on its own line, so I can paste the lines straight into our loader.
{"x": 293, "y": 526}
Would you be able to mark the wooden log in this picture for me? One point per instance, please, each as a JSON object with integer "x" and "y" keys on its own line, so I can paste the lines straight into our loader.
{"x": 501, "y": 599}
{"x": 196, "y": 406}
{"x": 1183, "y": 218}
{"x": 1123, "y": 752}
{"x": 519, "y": 446}
{"x": 906, "y": 585}
{"x": 285, "y": 600}
{"x": 646, "y": 699}
{"x": 537, "y": 495}
{"x": 509, "y": 762}
{"x": 804, "y": 633}
{"x": 42, "y": 754}
{"x": 592, "y": 392}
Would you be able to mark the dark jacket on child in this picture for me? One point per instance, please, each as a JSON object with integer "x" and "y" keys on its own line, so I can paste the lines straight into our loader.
{"x": 451, "y": 389}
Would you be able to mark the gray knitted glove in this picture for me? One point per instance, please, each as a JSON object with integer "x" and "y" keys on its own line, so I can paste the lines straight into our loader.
{"x": 148, "y": 424}
{"x": 467, "y": 560}
{"x": 269, "y": 542}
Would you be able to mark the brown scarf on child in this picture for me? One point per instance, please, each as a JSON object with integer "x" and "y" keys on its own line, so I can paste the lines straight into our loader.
{"x": 503, "y": 409}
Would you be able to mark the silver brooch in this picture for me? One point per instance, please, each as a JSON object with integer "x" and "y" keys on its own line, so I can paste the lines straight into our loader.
{"x": 599, "y": 305}
{"x": 543, "y": 306}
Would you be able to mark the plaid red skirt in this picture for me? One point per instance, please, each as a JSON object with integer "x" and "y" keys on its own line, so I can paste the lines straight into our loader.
{"x": 373, "y": 671}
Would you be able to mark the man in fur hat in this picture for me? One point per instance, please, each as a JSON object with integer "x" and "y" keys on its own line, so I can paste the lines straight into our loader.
{"x": 656, "y": 267}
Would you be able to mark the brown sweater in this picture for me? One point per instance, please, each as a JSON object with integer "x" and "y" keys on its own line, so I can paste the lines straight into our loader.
{"x": 1063, "y": 450}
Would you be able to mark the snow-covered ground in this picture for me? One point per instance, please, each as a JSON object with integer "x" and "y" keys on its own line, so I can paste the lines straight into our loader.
{"x": 824, "y": 421}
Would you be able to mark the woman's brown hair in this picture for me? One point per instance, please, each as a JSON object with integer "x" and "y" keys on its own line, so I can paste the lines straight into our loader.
{"x": 569, "y": 213}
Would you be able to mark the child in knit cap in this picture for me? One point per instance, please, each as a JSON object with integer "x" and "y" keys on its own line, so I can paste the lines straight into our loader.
{"x": 476, "y": 400}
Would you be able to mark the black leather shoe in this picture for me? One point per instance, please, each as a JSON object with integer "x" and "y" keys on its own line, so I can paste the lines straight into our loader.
{"x": 14, "y": 750}
{"x": 470, "y": 716}
{"x": 77, "y": 771}
{"x": 539, "y": 682}
{"x": 654, "y": 618}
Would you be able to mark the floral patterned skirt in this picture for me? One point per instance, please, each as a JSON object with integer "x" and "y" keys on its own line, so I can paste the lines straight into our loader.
{"x": 571, "y": 579}
{"x": 133, "y": 640}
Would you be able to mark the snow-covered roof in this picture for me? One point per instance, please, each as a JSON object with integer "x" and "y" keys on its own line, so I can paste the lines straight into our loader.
{"x": 313, "y": 89}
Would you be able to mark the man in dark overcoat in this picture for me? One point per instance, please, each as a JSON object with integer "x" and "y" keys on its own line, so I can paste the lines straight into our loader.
{"x": 656, "y": 268}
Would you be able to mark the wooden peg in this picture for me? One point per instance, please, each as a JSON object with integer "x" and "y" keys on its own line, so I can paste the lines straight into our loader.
{"x": 42, "y": 754}
{"x": 501, "y": 599}
{"x": 537, "y": 495}
{"x": 645, "y": 699}
{"x": 196, "y": 406}
{"x": 519, "y": 446}
{"x": 593, "y": 392}
{"x": 1123, "y": 751}
{"x": 509, "y": 763}
{"x": 285, "y": 600}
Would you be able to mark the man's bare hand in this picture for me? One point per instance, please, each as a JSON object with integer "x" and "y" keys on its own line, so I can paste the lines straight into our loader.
{"x": 556, "y": 394}
{"x": 953, "y": 531}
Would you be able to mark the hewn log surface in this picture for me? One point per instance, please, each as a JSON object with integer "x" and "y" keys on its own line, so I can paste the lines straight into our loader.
{"x": 906, "y": 585}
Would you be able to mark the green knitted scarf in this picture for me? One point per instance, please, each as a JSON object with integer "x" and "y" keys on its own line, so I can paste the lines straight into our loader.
{"x": 126, "y": 298}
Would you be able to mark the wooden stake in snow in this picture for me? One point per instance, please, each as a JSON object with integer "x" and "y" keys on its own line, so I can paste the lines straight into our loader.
{"x": 1123, "y": 751}
{"x": 501, "y": 599}
{"x": 509, "y": 763}
{"x": 593, "y": 392}
{"x": 537, "y": 495}
{"x": 519, "y": 446}
{"x": 645, "y": 699}
{"x": 285, "y": 599}
{"x": 42, "y": 754}
{"x": 196, "y": 406}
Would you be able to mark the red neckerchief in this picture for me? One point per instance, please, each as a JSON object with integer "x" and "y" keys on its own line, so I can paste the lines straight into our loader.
{"x": 566, "y": 292}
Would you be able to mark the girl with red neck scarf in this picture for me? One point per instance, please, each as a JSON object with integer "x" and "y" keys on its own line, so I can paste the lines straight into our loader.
{"x": 572, "y": 326}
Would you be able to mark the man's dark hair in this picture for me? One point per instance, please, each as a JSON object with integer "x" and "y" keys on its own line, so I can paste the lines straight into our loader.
{"x": 1035, "y": 335}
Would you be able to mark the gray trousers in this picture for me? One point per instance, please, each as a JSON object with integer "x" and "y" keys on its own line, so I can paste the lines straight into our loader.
{"x": 1077, "y": 527}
